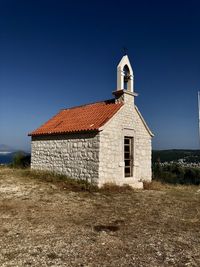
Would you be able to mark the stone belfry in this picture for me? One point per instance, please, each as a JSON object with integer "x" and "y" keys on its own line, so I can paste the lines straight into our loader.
{"x": 125, "y": 81}
{"x": 125, "y": 77}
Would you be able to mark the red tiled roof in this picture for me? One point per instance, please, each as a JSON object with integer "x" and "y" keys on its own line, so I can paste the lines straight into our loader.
{"x": 77, "y": 119}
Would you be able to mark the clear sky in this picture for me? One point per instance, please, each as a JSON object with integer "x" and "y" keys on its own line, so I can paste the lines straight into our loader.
{"x": 57, "y": 54}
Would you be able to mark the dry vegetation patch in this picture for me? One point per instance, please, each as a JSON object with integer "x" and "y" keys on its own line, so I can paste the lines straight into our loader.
{"x": 47, "y": 220}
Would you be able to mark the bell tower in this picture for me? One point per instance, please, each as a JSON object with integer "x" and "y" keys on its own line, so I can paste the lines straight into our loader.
{"x": 125, "y": 78}
{"x": 125, "y": 81}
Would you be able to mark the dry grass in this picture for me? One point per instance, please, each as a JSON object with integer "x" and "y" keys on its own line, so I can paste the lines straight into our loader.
{"x": 160, "y": 186}
{"x": 113, "y": 188}
{"x": 154, "y": 185}
{"x": 44, "y": 224}
{"x": 62, "y": 181}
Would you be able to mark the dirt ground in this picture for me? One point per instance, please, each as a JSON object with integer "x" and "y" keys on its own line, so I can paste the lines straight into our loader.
{"x": 43, "y": 224}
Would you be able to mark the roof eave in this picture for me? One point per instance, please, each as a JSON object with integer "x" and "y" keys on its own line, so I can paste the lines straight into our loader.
{"x": 62, "y": 133}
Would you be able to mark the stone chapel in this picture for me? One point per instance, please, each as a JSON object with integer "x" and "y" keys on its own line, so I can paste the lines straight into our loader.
{"x": 102, "y": 142}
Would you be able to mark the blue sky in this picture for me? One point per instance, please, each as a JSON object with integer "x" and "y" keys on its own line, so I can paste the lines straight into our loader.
{"x": 57, "y": 54}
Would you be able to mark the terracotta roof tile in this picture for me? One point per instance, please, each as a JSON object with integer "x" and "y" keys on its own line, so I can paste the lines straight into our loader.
{"x": 77, "y": 119}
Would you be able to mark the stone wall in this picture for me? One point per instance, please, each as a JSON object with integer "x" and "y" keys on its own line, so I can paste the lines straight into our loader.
{"x": 75, "y": 155}
{"x": 126, "y": 122}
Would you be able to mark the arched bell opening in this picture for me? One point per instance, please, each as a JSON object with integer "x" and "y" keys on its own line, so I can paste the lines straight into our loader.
{"x": 126, "y": 72}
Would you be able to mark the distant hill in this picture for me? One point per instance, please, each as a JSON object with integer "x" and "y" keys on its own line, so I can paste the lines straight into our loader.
{"x": 189, "y": 155}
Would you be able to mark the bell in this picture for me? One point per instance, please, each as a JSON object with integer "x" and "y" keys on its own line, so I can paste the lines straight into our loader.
{"x": 126, "y": 78}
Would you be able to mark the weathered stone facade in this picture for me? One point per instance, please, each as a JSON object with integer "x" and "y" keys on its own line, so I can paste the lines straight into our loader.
{"x": 75, "y": 155}
{"x": 127, "y": 122}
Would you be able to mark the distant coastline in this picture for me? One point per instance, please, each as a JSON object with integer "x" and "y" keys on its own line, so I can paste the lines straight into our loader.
{"x": 6, "y": 157}
{"x": 4, "y": 152}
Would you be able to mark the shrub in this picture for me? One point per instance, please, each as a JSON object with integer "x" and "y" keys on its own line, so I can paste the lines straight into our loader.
{"x": 176, "y": 174}
{"x": 21, "y": 160}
